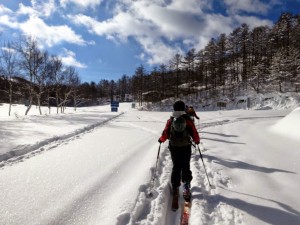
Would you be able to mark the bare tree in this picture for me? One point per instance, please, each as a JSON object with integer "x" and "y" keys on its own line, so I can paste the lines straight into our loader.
{"x": 175, "y": 66}
{"x": 9, "y": 70}
{"x": 211, "y": 57}
{"x": 41, "y": 78}
{"x": 57, "y": 78}
{"x": 103, "y": 89}
{"x": 70, "y": 82}
{"x": 31, "y": 58}
{"x": 163, "y": 71}
{"x": 221, "y": 52}
{"x": 123, "y": 86}
{"x": 189, "y": 64}
{"x": 140, "y": 72}
{"x": 75, "y": 83}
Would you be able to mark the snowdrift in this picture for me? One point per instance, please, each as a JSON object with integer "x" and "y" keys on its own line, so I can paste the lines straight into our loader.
{"x": 289, "y": 126}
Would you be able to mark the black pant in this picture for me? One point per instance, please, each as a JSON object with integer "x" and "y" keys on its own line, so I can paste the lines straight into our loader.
{"x": 181, "y": 157}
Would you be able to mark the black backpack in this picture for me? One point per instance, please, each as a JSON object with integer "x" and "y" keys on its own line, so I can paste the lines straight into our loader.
{"x": 179, "y": 136}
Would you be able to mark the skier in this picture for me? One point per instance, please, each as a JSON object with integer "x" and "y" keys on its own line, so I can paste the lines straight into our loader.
{"x": 186, "y": 109}
{"x": 192, "y": 113}
{"x": 179, "y": 130}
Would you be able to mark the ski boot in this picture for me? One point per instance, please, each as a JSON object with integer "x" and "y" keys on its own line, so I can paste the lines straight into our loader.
{"x": 175, "y": 199}
{"x": 186, "y": 191}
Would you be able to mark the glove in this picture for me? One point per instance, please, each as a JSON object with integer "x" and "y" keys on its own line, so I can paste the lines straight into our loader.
{"x": 197, "y": 143}
{"x": 159, "y": 141}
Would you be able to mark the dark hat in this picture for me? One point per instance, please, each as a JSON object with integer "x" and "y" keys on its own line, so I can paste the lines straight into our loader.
{"x": 179, "y": 106}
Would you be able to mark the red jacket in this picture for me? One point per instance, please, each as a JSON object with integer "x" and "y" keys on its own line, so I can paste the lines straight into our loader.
{"x": 190, "y": 127}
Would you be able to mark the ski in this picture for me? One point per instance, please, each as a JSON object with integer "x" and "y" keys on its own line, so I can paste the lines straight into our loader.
{"x": 186, "y": 207}
{"x": 186, "y": 213}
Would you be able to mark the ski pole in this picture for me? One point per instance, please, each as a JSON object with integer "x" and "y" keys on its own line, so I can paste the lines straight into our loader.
{"x": 154, "y": 173}
{"x": 194, "y": 147}
{"x": 211, "y": 186}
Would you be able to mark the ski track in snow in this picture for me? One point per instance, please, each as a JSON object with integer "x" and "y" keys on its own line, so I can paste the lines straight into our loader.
{"x": 206, "y": 204}
{"x": 23, "y": 152}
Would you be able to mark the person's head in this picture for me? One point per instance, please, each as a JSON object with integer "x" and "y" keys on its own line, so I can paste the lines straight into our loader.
{"x": 179, "y": 106}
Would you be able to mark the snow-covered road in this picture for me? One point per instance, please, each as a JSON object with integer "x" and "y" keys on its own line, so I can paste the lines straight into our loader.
{"x": 102, "y": 175}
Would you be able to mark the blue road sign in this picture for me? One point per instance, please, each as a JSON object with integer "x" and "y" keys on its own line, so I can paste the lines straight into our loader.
{"x": 114, "y": 104}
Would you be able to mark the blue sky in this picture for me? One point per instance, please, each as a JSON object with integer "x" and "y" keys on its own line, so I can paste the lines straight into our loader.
{"x": 107, "y": 39}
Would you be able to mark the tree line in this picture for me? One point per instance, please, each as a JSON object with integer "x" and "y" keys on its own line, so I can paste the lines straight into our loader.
{"x": 261, "y": 59}
{"x": 33, "y": 76}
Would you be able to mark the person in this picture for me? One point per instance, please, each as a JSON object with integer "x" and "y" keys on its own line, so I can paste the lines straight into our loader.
{"x": 186, "y": 109}
{"x": 192, "y": 113}
{"x": 180, "y": 148}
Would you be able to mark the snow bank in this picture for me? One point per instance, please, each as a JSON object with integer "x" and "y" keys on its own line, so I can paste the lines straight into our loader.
{"x": 277, "y": 101}
{"x": 289, "y": 126}
{"x": 274, "y": 101}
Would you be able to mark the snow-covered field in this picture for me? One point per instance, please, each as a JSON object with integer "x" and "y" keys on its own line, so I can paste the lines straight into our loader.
{"x": 94, "y": 166}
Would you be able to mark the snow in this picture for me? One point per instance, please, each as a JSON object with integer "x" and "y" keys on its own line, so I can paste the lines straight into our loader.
{"x": 289, "y": 126}
{"x": 94, "y": 166}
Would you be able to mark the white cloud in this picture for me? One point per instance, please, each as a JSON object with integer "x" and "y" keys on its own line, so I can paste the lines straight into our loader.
{"x": 8, "y": 21}
{"x": 46, "y": 8}
{"x": 157, "y": 25}
{"x": 39, "y": 8}
{"x": 26, "y": 10}
{"x": 50, "y": 35}
{"x": 157, "y": 51}
{"x": 69, "y": 59}
{"x": 4, "y": 10}
{"x": 253, "y": 21}
{"x": 167, "y": 22}
{"x": 190, "y": 6}
{"x": 250, "y": 6}
{"x": 47, "y": 35}
{"x": 81, "y": 3}
{"x": 6, "y": 17}
{"x": 119, "y": 28}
